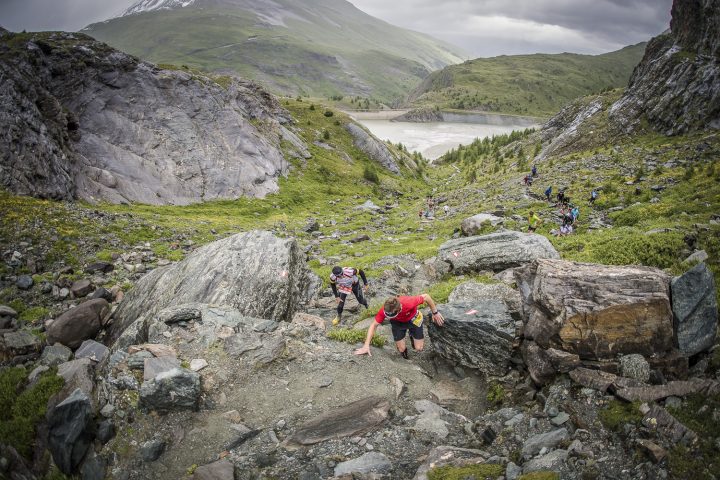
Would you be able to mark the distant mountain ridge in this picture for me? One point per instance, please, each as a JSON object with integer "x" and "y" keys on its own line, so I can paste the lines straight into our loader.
{"x": 539, "y": 84}
{"x": 314, "y": 47}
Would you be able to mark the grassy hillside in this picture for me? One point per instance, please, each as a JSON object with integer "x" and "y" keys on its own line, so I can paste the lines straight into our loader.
{"x": 537, "y": 85}
{"x": 321, "y": 48}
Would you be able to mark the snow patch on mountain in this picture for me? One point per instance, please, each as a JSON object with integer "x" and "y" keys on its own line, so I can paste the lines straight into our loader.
{"x": 144, "y": 6}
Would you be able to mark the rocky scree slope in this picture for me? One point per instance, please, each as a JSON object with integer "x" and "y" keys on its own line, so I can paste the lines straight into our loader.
{"x": 86, "y": 121}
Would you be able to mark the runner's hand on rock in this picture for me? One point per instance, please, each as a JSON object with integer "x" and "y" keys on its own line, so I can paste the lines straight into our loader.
{"x": 438, "y": 319}
{"x": 363, "y": 351}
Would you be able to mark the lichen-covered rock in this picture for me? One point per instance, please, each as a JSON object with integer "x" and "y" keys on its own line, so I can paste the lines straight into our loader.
{"x": 256, "y": 273}
{"x": 596, "y": 311}
{"x": 478, "y": 335}
{"x": 694, "y": 303}
{"x": 177, "y": 389}
{"x": 495, "y": 252}
{"x": 635, "y": 366}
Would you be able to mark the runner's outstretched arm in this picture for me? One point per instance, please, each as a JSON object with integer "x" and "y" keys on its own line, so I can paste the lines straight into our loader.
{"x": 436, "y": 316}
{"x": 366, "y": 348}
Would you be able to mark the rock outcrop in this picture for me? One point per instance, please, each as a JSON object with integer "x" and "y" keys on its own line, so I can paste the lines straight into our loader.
{"x": 473, "y": 225}
{"x": 495, "y": 252}
{"x": 478, "y": 335}
{"x": 257, "y": 273}
{"x": 70, "y": 434}
{"x": 374, "y": 148}
{"x": 676, "y": 87}
{"x": 83, "y": 120}
{"x": 694, "y": 303}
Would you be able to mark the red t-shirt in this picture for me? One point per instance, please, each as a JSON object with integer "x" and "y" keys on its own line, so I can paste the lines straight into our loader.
{"x": 408, "y": 310}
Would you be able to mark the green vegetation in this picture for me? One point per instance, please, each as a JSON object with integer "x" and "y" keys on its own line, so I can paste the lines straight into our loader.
{"x": 21, "y": 408}
{"x": 478, "y": 472}
{"x": 323, "y": 52}
{"x": 535, "y": 85}
{"x": 616, "y": 414}
{"x": 495, "y": 394}
{"x": 698, "y": 413}
{"x": 349, "y": 335}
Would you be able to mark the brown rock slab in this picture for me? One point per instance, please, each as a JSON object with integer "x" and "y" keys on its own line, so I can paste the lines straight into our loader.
{"x": 656, "y": 453}
{"x": 307, "y": 320}
{"x": 596, "y": 311}
{"x": 665, "y": 425}
{"x": 157, "y": 349}
{"x": 602, "y": 381}
{"x": 81, "y": 288}
{"x": 78, "y": 324}
{"x": 679, "y": 388}
{"x": 352, "y": 419}
{"x": 538, "y": 363}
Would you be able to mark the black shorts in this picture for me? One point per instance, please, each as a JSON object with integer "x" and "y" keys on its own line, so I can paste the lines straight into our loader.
{"x": 400, "y": 329}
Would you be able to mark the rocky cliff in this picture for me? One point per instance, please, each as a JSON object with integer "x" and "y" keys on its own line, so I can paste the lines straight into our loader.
{"x": 676, "y": 87}
{"x": 83, "y": 120}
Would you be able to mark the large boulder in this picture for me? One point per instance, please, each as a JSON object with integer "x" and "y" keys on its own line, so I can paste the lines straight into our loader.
{"x": 177, "y": 389}
{"x": 70, "y": 431}
{"x": 78, "y": 324}
{"x": 694, "y": 304}
{"x": 257, "y": 273}
{"x": 470, "y": 292}
{"x": 478, "y": 335}
{"x": 372, "y": 147}
{"x": 473, "y": 225}
{"x": 596, "y": 311}
{"x": 495, "y": 252}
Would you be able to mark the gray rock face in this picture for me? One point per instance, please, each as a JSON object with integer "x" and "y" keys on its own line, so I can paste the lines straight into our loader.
{"x": 636, "y": 367}
{"x": 374, "y": 148}
{"x": 19, "y": 343}
{"x": 552, "y": 461}
{"x": 375, "y": 462}
{"x": 78, "y": 375}
{"x": 95, "y": 351}
{"x": 478, "y": 335}
{"x": 596, "y": 311}
{"x": 256, "y": 272}
{"x": 54, "y": 355}
{"x": 78, "y": 324}
{"x": 473, "y": 225}
{"x": 151, "y": 450}
{"x": 70, "y": 431}
{"x": 470, "y": 292}
{"x": 534, "y": 444}
{"x": 156, "y": 365}
{"x": 102, "y": 125}
{"x": 24, "y": 282}
{"x": 694, "y": 304}
{"x": 495, "y": 252}
{"x": 676, "y": 87}
{"x": 177, "y": 389}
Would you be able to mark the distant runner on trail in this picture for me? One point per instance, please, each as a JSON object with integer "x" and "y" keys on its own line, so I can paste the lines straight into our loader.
{"x": 343, "y": 281}
{"x": 533, "y": 221}
{"x": 593, "y": 196}
{"x": 404, "y": 315}
{"x": 548, "y": 193}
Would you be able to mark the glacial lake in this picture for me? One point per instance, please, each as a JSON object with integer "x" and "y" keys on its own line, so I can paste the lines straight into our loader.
{"x": 434, "y": 139}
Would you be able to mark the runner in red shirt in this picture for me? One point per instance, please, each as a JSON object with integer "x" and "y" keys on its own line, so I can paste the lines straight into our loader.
{"x": 404, "y": 315}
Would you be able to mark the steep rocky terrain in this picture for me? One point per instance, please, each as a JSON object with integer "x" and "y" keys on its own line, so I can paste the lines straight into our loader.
{"x": 195, "y": 342}
{"x": 319, "y": 48}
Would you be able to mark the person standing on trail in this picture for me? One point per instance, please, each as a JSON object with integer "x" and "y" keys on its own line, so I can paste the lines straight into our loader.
{"x": 404, "y": 316}
{"x": 533, "y": 172}
{"x": 593, "y": 196}
{"x": 343, "y": 281}
{"x": 533, "y": 221}
{"x": 548, "y": 193}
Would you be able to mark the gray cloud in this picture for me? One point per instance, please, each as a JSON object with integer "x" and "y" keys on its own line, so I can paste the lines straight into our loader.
{"x": 482, "y": 27}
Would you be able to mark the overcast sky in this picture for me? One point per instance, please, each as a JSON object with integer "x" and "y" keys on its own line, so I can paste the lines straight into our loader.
{"x": 482, "y": 27}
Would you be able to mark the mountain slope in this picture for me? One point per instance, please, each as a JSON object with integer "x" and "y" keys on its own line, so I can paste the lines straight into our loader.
{"x": 526, "y": 84}
{"x": 317, "y": 47}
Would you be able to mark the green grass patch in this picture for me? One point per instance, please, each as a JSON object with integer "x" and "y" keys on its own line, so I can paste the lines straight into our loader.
{"x": 349, "y": 335}
{"x": 478, "y": 472}
{"x": 21, "y": 408}
{"x": 495, "y": 394}
{"x": 698, "y": 413}
{"x": 617, "y": 413}
{"x": 543, "y": 475}
{"x": 34, "y": 314}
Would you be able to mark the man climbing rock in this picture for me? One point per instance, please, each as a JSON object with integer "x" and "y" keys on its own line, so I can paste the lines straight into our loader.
{"x": 404, "y": 316}
{"x": 343, "y": 281}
